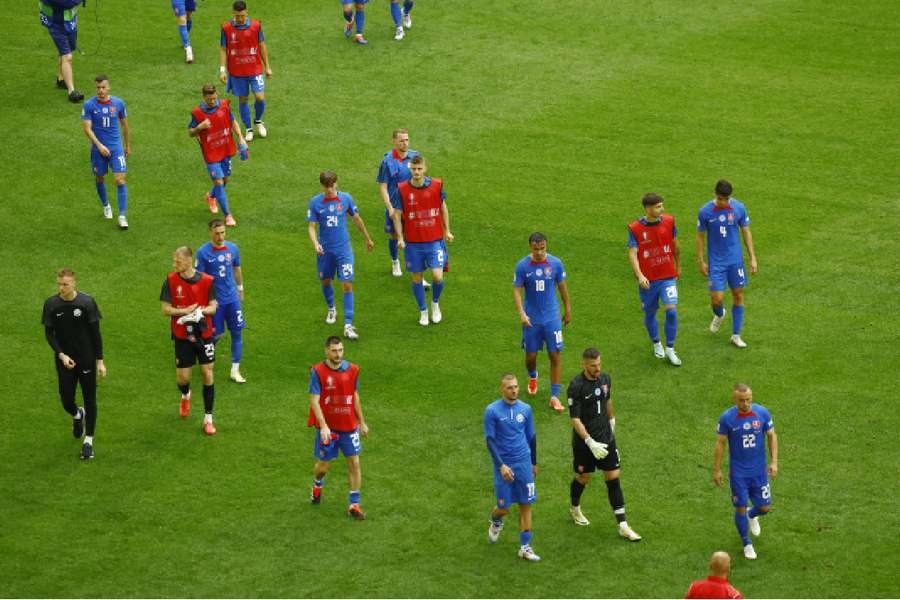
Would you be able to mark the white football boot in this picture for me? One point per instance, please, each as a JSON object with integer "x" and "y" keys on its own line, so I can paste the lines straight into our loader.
{"x": 494, "y": 532}
{"x": 331, "y": 316}
{"x": 737, "y": 341}
{"x": 399, "y": 34}
{"x": 407, "y": 20}
{"x": 423, "y": 318}
{"x": 123, "y": 222}
{"x": 436, "y": 315}
{"x": 350, "y": 332}
{"x": 261, "y": 129}
{"x": 188, "y": 55}
{"x": 673, "y": 358}
{"x": 755, "y": 529}
{"x": 235, "y": 375}
{"x": 716, "y": 323}
{"x": 396, "y": 271}
{"x": 528, "y": 554}
{"x": 248, "y": 137}
{"x": 749, "y": 552}
{"x": 658, "y": 350}
{"x": 578, "y": 516}
{"x": 628, "y": 533}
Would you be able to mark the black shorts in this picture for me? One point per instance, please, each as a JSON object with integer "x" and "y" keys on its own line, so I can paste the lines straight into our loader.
{"x": 187, "y": 352}
{"x": 583, "y": 460}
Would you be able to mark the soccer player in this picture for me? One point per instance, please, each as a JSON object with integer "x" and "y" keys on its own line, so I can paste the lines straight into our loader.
{"x": 360, "y": 19}
{"x": 222, "y": 260}
{"x": 512, "y": 444}
{"x": 334, "y": 254}
{"x": 594, "y": 440}
{"x": 336, "y": 412}
{"x": 60, "y": 17}
{"x": 423, "y": 222}
{"x": 72, "y": 328}
{"x": 720, "y": 220}
{"x": 401, "y": 18}
{"x": 746, "y": 427}
{"x": 656, "y": 261}
{"x": 214, "y": 126}
{"x": 540, "y": 274}
{"x": 105, "y": 123}
{"x": 393, "y": 171}
{"x": 183, "y": 10}
{"x": 188, "y": 297}
{"x": 716, "y": 585}
{"x": 242, "y": 47}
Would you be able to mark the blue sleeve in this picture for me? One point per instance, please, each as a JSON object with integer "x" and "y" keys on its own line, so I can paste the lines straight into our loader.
{"x": 236, "y": 255}
{"x": 560, "y": 272}
{"x": 531, "y": 436}
{"x": 315, "y": 387}
{"x": 722, "y": 429}
{"x": 193, "y": 123}
{"x": 383, "y": 173}
{"x": 222, "y": 41}
{"x": 674, "y": 230}
{"x": 768, "y": 423}
{"x": 311, "y": 215}
{"x": 262, "y": 38}
{"x": 351, "y": 206}
{"x": 200, "y": 261}
{"x": 494, "y": 451}
{"x": 632, "y": 242}
{"x": 701, "y": 226}
{"x": 744, "y": 219}
{"x": 123, "y": 114}
{"x": 443, "y": 193}
{"x": 519, "y": 277}
{"x": 85, "y": 111}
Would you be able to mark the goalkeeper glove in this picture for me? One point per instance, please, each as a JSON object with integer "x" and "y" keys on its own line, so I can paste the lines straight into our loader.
{"x": 245, "y": 153}
{"x": 193, "y": 317}
{"x": 598, "y": 449}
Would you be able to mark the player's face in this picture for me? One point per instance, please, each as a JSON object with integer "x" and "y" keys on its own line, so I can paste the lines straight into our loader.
{"x": 510, "y": 389}
{"x": 418, "y": 172}
{"x": 743, "y": 400}
{"x": 240, "y": 17}
{"x": 401, "y": 142}
{"x": 217, "y": 235}
{"x": 539, "y": 250}
{"x": 211, "y": 99}
{"x": 335, "y": 353}
{"x": 654, "y": 212}
{"x": 103, "y": 90}
{"x": 66, "y": 287}
{"x": 181, "y": 263}
{"x": 591, "y": 367}
{"x": 722, "y": 200}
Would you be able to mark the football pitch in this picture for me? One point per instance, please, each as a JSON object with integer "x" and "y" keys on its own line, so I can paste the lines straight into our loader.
{"x": 539, "y": 116}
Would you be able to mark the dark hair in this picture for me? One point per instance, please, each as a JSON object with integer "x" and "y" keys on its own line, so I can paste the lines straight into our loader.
{"x": 66, "y": 272}
{"x": 332, "y": 340}
{"x": 536, "y": 238}
{"x": 208, "y": 89}
{"x": 651, "y": 199}
{"x": 216, "y": 223}
{"x": 590, "y": 354}
{"x": 239, "y": 5}
{"x": 100, "y": 78}
{"x": 328, "y": 178}
{"x": 723, "y": 188}
{"x": 418, "y": 159}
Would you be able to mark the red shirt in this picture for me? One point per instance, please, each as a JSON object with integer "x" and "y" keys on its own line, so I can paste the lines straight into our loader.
{"x": 654, "y": 249}
{"x": 712, "y": 587}
{"x": 184, "y": 294}
{"x": 422, "y": 220}
{"x": 242, "y": 49}
{"x": 216, "y": 142}
{"x": 337, "y": 397}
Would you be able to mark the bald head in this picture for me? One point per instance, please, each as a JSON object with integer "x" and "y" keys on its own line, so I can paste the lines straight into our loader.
{"x": 720, "y": 564}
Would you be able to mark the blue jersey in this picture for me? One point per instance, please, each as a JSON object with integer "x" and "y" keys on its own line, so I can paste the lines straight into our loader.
{"x": 331, "y": 215}
{"x": 220, "y": 263}
{"x": 746, "y": 439}
{"x": 540, "y": 280}
{"x": 512, "y": 428}
{"x": 394, "y": 171}
{"x": 723, "y": 235}
{"x": 104, "y": 118}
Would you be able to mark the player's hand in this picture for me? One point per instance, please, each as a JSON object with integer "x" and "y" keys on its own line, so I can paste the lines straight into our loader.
{"x": 704, "y": 268}
{"x": 244, "y": 151}
{"x": 754, "y": 267}
{"x": 567, "y": 318}
{"x": 773, "y": 469}
{"x": 598, "y": 449}
{"x": 103, "y": 150}
{"x": 525, "y": 320}
{"x": 534, "y": 470}
{"x": 370, "y": 245}
{"x": 325, "y": 435}
{"x": 222, "y": 77}
{"x": 101, "y": 368}
{"x": 401, "y": 244}
{"x": 643, "y": 282}
{"x": 67, "y": 361}
{"x": 449, "y": 237}
{"x": 204, "y": 124}
{"x": 364, "y": 429}
{"x": 319, "y": 249}
{"x": 507, "y": 473}
{"x": 268, "y": 72}
{"x": 127, "y": 150}
{"x": 717, "y": 477}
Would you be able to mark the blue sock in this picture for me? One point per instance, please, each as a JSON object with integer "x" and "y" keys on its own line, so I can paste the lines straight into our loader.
{"x": 319, "y": 482}
{"x": 651, "y": 325}
{"x": 122, "y": 198}
{"x": 328, "y": 292}
{"x": 436, "y": 288}
{"x": 360, "y": 21}
{"x": 101, "y": 192}
{"x": 743, "y": 525}
{"x": 348, "y": 308}
{"x": 407, "y": 6}
{"x": 532, "y": 374}
{"x": 259, "y": 107}
{"x": 244, "y": 109}
{"x": 525, "y": 537}
{"x": 755, "y": 512}
{"x": 671, "y": 326}
{"x": 555, "y": 389}
{"x": 185, "y": 38}
{"x": 419, "y": 293}
{"x": 212, "y": 191}
{"x": 719, "y": 311}
{"x": 190, "y": 23}
{"x": 348, "y": 16}
{"x": 219, "y": 193}
{"x": 392, "y": 246}
{"x": 395, "y": 13}
{"x": 737, "y": 315}
{"x": 237, "y": 346}
{"x": 354, "y": 496}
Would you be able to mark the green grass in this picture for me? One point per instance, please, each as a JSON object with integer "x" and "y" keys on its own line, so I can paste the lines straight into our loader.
{"x": 550, "y": 116}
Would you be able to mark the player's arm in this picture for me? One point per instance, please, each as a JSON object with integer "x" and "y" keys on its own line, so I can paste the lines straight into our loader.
{"x": 773, "y": 452}
{"x": 96, "y": 340}
{"x": 324, "y": 430}
{"x": 357, "y": 408}
{"x": 239, "y": 282}
{"x": 264, "y": 55}
{"x": 195, "y": 128}
{"x": 445, "y": 217}
{"x": 211, "y": 303}
{"x": 717, "y": 459}
{"x": 567, "y": 306}
{"x": 398, "y": 227}
{"x": 314, "y": 237}
{"x": 236, "y": 129}
{"x": 676, "y": 254}
{"x": 223, "y": 56}
{"x": 520, "y": 308}
{"x": 126, "y": 135}
{"x": 636, "y": 267}
{"x": 171, "y": 311}
{"x": 358, "y": 221}
{"x": 704, "y": 268}
{"x": 531, "y": 437}
{"x": 748, "y": 242}
{"x": 89, "y": 132}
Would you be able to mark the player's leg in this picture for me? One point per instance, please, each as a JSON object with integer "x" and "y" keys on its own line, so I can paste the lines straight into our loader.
{"x": 119, "y": 170}
{"x": 100, "y": 184}
{"x": 234, "y": 316}
{"x": 717, "y": 283}
{"x": 351, "y": 447}
{"x": 397, "y": 17}
{"x": 347, "y": 6}
{"x": 649, "y": 306}
{"x": 88, "y": 382}
{"x": 345, "y": 273}
{"x": 740, "y": 495}
{"x": 437, "y": 286}
{"x": 503, "y": 500}
{"x": 360, "y": 19}
{"x": 393, "y": 248}
{"x": 183, "y": 30}
{"x": 525, "y": 495}
{"x": 407, "y": 8}
{"x": 669, "y": 293}
{"x": 737, "y": 280}
{"x": 583, "y": 463}
{"x": 531, "y": 347}
{"x": 206, "y": 360}
{"x": 190, "y": 6}
{"x": 761, "y": 499}
{"x": 525, "y": 550}
{"x": 258, "y": 84}
{"x": 244, "y": 111}
{"x": 67, "y": 381}
{"x": 554, "y": 350}
{"x": 416, "y": 264}
{"x": 184, "y": 363}
{"x": 320, "y": 470}
{"x": 611, "y": 467}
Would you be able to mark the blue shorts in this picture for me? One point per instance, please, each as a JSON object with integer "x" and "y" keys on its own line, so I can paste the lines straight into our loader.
{"x": 65, "y": 40}
{"x": 219, "y": 170}
{"x": 241, "y": 86}
{"x": 101, "y": 164}
{"x": 752, "y": 488}
{"x": 230, "y": 313}
{"x": 550, "y": 333}
{"x": 347, "y": 442}
{"x": 424, "y": 255}
{"x": 734, "y": 275}
{"x": 182, "y": 7}
{"x": 520, "y": 490}
{"x": 346, "y": 2}
{"x": 661, "y": 289}
{"x": 331, "y": 263}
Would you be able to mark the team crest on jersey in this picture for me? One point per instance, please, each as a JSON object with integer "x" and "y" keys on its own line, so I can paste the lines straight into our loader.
{"x": 520, "y": 418}
{"x": 547, "y": 272}
{"x": 539, "y": 272}
{"x": 646, "y": 254}
{"x": 722, "y": 218}
{"x": 105, "y": 110}
{"x": 340, "y": 207}
{"x": 233, "y": 36}
{"x": 228, "y": 256}
{"x": 77, "y": 312}
{"x": 747, "y": 426}
{"x": 755, "y": 424}
{"x": 731, "y": 218}
{"x": 112, "y": 110}
{"x": 221, "y": 258}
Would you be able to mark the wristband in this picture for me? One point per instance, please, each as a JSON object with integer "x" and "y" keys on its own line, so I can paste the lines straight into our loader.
{"x": 241, "y": 288}
{"x": 222, "y": 70}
